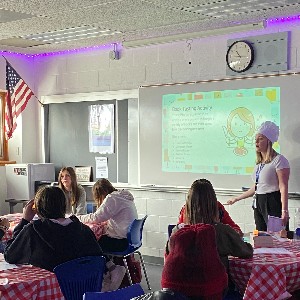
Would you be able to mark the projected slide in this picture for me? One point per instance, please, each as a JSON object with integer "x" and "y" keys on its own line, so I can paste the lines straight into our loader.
{"x": 214, "y": 132}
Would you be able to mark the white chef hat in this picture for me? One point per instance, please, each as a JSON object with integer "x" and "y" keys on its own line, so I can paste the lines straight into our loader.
{"x": 270, "y": 130}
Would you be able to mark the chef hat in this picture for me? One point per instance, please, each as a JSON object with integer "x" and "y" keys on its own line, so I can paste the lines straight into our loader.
{"x": 270, "y": 130}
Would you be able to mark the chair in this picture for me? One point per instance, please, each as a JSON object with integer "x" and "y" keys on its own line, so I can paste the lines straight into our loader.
{"x": 134, "y": 237}
{"x": 126, "y": 293}
{"x": 80, "y": 275}
{"x": 170, "y": 228}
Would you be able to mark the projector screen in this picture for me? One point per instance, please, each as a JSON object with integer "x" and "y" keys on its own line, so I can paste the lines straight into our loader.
{"x": 214, "y": 132}
{"x": 207, "y": 130}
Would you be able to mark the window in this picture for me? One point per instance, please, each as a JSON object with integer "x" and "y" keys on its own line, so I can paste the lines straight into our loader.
{"x": 3, "y": 142}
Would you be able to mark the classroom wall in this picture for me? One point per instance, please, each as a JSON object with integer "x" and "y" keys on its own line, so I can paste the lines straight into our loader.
{"x": 93, "y": 71}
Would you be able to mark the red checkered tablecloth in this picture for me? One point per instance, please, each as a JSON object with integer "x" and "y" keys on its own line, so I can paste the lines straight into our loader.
{"x": 14, "y": 219}
{"x": 268, "y": 276}
{"x": 28, "y": 282}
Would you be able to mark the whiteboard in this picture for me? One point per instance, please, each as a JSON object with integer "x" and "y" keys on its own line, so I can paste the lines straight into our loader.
{"x": 150, "y": 131}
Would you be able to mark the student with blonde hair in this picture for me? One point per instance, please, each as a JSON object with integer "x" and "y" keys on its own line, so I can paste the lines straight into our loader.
{"x": 270, "y": 177}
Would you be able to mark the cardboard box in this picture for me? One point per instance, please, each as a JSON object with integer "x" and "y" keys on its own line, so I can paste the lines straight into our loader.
{"x": 261, "y": 241}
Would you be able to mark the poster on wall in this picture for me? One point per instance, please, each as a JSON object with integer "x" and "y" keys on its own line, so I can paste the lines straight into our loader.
{"x": 101, "y": 128}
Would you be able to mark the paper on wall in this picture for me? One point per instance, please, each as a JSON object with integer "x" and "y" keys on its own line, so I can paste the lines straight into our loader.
{"x": 101, "y": 167}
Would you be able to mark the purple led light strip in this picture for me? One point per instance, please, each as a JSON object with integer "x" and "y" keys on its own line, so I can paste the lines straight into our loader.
{"x": 70, "y": 51}
{"x": 281, "y": 20}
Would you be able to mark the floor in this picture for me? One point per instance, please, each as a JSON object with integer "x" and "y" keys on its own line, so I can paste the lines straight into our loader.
{"x": 154, "y": 274}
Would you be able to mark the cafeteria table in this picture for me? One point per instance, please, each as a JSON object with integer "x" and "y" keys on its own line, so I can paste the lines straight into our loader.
{"x": 14, "y": 219}
{"x": 25, "y": 282}
{"x": 270, "y": 275}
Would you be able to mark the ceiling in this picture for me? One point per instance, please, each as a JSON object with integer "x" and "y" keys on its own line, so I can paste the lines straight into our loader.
{"x": 124, "y": 20}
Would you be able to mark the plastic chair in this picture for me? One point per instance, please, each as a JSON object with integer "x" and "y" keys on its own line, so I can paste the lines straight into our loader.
{"x": 170, "y": 228}
{"x": 80, "y": 275}
{"x": 126, "y": 293}
{"x": 134, "y": 237}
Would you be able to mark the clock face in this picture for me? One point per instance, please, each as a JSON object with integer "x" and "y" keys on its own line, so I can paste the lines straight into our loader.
{"x": 240, "y": 56}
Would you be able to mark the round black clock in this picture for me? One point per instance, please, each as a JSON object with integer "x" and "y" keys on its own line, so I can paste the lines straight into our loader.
{"x": 240, "y": 56}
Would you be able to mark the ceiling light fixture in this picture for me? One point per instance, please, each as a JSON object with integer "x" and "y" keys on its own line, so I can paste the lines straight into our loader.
{"x": 70, "y": 34}
{"x": 191, "y": 35}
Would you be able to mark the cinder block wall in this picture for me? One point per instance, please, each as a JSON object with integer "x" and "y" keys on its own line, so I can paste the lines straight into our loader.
{"x": 93, "y": 71}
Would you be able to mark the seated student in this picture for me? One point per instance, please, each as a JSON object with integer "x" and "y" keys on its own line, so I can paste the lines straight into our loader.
{"x": 224, "y": 218}
{"x": 74, "y": 192}
{"x": 193, "y": 269}
{"x": 118, "y": 209}
{"x": 52, "y": 239}
{"x": 202, "y": 207}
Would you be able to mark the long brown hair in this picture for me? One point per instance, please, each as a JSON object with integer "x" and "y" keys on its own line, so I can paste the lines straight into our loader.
{"x": 101, "y": 189}
{"x": 201, "y": 203}
{"x": 74, "y": 188}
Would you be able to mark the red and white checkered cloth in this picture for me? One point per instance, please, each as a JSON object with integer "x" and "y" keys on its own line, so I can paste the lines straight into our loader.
{"x": 268, "y": 276}
{"x": 28, "y": 282}
{"x": 14, "y": 219}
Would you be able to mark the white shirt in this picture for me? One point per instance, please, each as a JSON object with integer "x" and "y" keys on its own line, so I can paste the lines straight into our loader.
{"x": 268, "y": 179}
{"x": 118, "y": 209}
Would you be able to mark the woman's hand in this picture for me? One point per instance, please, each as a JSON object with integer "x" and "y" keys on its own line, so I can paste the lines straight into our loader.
{"x": 232, "y": 201}
{"x": 285, "y": 217}
{"x": 28, "y": 211}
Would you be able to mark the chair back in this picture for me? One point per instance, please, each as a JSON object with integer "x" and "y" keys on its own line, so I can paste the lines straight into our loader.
{"x": 135, "y": 234}
{"x": 126, "y": 293}
{"x": 80, "y": 275}
{"x": 170, "y": 228}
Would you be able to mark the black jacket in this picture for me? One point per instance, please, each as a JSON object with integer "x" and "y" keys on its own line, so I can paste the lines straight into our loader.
{"x": 46, "y": 244}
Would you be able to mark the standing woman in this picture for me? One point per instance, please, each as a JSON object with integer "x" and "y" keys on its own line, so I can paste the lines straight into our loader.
{"x": 75, "y": 193}
{"x": 270, "y": 176}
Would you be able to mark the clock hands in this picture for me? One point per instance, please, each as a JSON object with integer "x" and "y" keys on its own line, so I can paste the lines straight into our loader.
{"x": 237, "y": 53}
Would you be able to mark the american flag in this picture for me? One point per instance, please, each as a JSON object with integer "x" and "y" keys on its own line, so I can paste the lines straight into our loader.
{"x": 17, "y": 96}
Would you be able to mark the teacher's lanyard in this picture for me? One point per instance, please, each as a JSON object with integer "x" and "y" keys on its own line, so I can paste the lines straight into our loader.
{"x": 259, "y": 168}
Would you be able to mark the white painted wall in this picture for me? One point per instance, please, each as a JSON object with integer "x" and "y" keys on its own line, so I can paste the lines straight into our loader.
{"x": 92, "y": 71}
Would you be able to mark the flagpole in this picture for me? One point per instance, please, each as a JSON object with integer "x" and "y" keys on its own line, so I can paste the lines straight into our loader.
{"x": 19, "y": 75}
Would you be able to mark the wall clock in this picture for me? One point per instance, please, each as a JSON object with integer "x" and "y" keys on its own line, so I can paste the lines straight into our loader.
{"x": 240, "y": 56}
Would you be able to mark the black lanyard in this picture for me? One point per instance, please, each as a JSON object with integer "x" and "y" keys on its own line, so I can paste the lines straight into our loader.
{"x": 259, "y": 168}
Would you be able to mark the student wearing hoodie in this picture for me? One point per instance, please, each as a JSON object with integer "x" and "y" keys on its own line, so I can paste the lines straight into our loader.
{"x": 118, "y": 209}
{"x": 52, "y": 239}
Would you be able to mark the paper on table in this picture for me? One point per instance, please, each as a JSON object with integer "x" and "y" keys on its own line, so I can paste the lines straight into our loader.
{"x": 272, "y": 251}
{"x": 6, "y": 266}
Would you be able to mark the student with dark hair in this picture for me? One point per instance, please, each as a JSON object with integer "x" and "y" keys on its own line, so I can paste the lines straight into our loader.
{"x": 118, "y": 209}
{"x": 74, "y": 192}
{"x": 224, "y": 218}
{"x": 202, "y": 208}
{"x": 52, "y": 239}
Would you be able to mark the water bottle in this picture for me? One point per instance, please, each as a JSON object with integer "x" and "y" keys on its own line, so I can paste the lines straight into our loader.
{"x": 297, "y": 218}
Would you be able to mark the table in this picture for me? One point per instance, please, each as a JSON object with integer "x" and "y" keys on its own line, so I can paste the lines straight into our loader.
{"x": 13, "y": 202}
{"x": 29, "y": 282}
{"x": 14, "y": 219}
{"x": 268, "y": 276}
